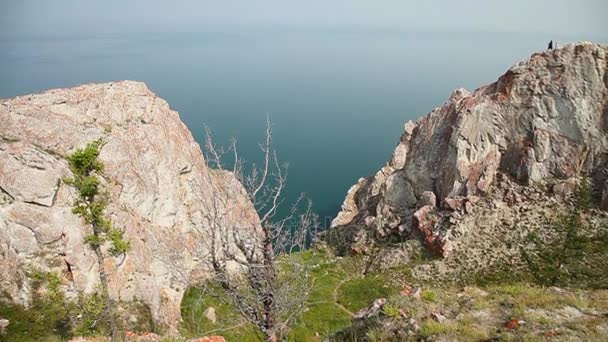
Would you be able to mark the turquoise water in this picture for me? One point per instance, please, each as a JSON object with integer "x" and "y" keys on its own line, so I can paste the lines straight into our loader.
{"x": 337, "y": 99}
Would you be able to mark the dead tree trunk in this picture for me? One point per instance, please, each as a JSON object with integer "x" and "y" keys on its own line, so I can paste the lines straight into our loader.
{"x": 259, "y": 246}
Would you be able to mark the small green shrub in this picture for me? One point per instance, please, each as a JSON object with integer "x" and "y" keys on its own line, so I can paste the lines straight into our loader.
{"x": 432, "y": 328}
{"x": 90, "y": 309}
{"x": 391, "y": 310}
{"x": 46, "y": 317}
{"x": 429, "y": 296}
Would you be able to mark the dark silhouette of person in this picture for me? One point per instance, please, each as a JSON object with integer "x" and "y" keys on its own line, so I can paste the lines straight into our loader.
{"x": 551, "y": 45}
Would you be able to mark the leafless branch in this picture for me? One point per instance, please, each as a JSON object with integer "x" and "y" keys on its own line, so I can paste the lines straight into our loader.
{"x": 247, "y": 250}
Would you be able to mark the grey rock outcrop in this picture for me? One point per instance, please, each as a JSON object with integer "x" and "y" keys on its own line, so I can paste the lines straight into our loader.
{"x": 545, "y": 118}
{"x": 160, "y": 186}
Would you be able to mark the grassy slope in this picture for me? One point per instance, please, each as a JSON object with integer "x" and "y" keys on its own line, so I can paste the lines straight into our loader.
{"x": 472, "y": 313}
{"x": 338, "y": 291}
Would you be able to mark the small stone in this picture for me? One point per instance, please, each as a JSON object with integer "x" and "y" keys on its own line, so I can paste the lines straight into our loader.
{"x": 208, "y": 339}
{"x": 437, "y": 316}
{"x": 512, "y": 324}
{"x": 210, "y": 314}
{"x": 468, "y": 207}
{"x": 557, "y": 289}
{"x": 409, "y": 291}
{"x": 455, "y": 203}
{"x": 369, "y": 221}
{"x": 427, "y": 198}
{"x": 3, "y": 325}
{"x": 475, "y": 291}
{"x": 372, "y": 310}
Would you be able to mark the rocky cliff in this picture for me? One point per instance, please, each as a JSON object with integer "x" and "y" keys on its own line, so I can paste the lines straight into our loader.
{"x": 544, "y": 121}
{"x": 160, "y": 188}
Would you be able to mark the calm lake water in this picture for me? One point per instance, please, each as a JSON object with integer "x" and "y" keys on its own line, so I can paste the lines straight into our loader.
{"x": 338, "y": 99}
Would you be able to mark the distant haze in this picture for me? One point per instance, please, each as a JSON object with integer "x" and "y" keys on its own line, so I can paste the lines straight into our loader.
{"x": 114, "y": 16}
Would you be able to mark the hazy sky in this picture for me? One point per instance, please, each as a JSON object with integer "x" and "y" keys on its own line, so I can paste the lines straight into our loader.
{"x": 109, "y": 16}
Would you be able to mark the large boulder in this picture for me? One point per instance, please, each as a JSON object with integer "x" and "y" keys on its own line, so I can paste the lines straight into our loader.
{"x": 545, "y": 118}
{"x": 161, "y": 194}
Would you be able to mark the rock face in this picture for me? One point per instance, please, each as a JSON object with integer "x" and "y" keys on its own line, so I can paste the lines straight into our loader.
{"x": 545, "y": 118}
{"x": 161, "y": 194}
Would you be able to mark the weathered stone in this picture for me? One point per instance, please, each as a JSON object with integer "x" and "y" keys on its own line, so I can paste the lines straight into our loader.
{"x": 159, "y": 184}
{"x": 439, "y": 317}
{"x": 424, "y": 221}
{"x": 399, "y": 192}
{"x": 468, "y": 207}
{"x": 427, "y": 198}
{"x": 349, "y": 208}
{"x": 536, "y": 123}
{"x": 210, "y": 314}
{"x": 411, "y": 291}
{"x": 3, "y": 325}
{"x": 454, "y": 204}
{"x": 372, "y": 310}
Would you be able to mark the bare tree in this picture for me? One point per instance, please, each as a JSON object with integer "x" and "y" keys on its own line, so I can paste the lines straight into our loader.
{"x": 251, "y": 256}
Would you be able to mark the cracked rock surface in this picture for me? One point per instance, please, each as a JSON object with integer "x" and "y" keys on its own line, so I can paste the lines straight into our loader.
{"x": 545, "y": 118}
{"x": 159, "y": 184}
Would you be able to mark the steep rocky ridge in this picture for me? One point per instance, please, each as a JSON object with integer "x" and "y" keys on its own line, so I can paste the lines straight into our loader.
{"x": 543, "y": 121}
{"x": 160, "y": 187}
